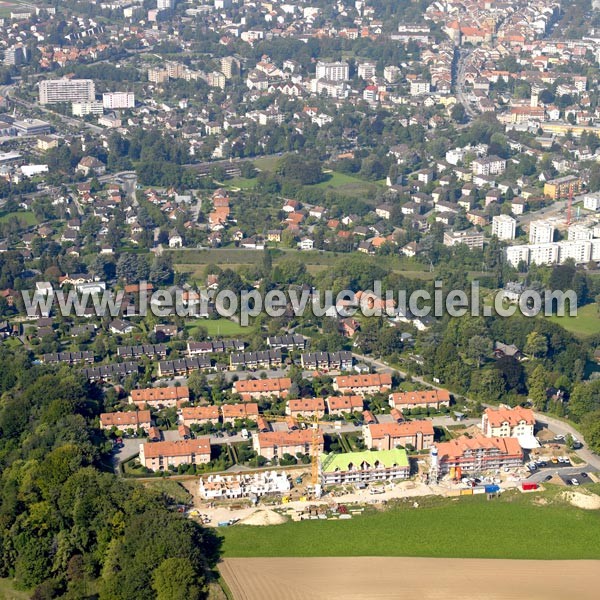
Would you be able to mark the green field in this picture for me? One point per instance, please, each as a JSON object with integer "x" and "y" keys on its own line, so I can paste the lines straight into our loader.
{"x": 26, "y": 217}
{"x": 586, "y": 323}
{"x": 514, "y": 526}
{"x": 219, "y": 327}
{"x": 347, "y": 184}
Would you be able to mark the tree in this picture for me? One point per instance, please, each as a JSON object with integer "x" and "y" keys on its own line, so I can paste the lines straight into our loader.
{"x": 176, "y": 579}
{"x": 479, "y": 348}
{"x": 537, "y": 387}
{"x": 536, "y": 345}
{"x": 459, "y": 114}
{"x": 590, "y": 427}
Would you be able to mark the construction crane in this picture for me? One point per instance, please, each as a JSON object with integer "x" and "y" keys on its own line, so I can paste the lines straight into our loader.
{"x": 570, "y": 205}
{"x": 314, "y": 446}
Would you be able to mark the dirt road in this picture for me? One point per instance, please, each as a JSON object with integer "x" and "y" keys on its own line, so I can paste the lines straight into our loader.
{"x": 398, "y": 578}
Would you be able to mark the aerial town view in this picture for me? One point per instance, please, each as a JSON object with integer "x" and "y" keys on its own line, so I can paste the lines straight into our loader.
{"x": 299, "y": 299}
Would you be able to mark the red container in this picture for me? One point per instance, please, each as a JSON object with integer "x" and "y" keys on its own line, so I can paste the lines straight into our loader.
{"x": 529, "y": 486}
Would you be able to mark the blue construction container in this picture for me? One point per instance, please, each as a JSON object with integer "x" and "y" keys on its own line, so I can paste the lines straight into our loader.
{"x": 492, "y": 489}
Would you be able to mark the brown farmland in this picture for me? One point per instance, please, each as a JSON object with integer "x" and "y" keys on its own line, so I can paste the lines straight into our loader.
{"x": 374, "y": 578}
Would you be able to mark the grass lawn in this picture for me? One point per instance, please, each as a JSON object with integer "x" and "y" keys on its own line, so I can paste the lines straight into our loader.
{"x": 24, "y": 216}
{"x": 513, "y": 526}
{"x": 347, "y": 184}
{"x": 241, "y": 183}
{"x": 266, "y": 163}
{"x": 12, "y": 342}
{"x": 172, "y": 489}
{"x": 8, "y": 592}
{"x": 586, "y": 323}
{"x": 223, "y": 327}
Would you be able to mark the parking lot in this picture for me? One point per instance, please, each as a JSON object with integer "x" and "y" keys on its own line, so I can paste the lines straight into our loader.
{"x": 580, "y": 479}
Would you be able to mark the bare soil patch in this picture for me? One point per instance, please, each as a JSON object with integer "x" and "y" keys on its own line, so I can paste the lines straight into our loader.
{"x": 399, "y": 578}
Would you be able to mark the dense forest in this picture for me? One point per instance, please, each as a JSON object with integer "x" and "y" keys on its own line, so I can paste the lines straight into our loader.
{"x": 68, "y": 528}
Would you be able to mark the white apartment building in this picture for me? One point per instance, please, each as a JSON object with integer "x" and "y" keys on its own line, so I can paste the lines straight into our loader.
{"x": 541, "y": 232}
{"x": 333, "y": 89}
{"x": 508, "y": 422}
{"x": 591, "y": 202}
{"x": 579, "y": 233}
{"x": 517, "y": 254}
{"x": 333, "y": 71}
{"x": 419, "y": 87}
{"x": 54, "y": 91}
{"x": 391, "y": 73}
{"x": 367, "y": 70}
{"x": 490, "y": 165}
{"x": 81, "y": 109}
{"x": 473, "y": 239}
{"x": 504, "y": 227}
{"x": 544, "y": 254}
{"x": 116, "y": 100}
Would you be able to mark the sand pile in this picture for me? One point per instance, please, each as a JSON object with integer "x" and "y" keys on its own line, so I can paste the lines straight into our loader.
{"x": 587, "y": 501}
{"x": 264, "y": 517}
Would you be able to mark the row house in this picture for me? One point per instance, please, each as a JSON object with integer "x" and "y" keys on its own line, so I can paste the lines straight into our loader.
{"x": 134, "y": 419}
{"x": 159, "y": 456}
{"x": 387, "y": 436}
{"x": 307, "y": 408}
{"x": 160, "y": 397}
{"x": 263, "y": 359}
{"x": 151, "y": 350}
{"x": 253, "y": 389}
{"x": 69, "y": 358}
{"x": 233, "y": 412}
{"x": 324, "y": 361}
{"x": 286, "y": 342}
{"x": 274, "y": 444}
{"x": 363, "y": 385}
{"x": 338, "y": 405}
{"x": 196, "y": 348}
{"x": 200, "y": 415}
{"x": 423, "y": 399}
{"x": 110, "y": 372}
{"x": 183, "y": 366}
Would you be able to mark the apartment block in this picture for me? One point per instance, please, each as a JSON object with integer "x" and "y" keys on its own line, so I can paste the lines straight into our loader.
{"x": 54, "y": 91}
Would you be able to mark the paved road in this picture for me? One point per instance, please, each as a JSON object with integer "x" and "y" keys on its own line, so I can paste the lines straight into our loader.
{"x": 464, "y": 62}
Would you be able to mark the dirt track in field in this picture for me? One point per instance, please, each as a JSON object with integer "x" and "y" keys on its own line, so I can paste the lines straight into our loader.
{"x": 411, "y": 578}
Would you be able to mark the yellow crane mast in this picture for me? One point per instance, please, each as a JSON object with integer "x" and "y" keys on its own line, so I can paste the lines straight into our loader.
{"x": 314, "y": 446}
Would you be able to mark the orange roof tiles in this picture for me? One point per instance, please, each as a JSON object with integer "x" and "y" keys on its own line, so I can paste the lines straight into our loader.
{"x": 398, "y": 430}
{"x": 513, "y": 416}
{"x": 125, "y": 419}
{"x": 200, "y": 413}
{"x": 458, "y": 447}
{"x": 277, "y": 384}
{"x": 296, "y": 437}
{"x": 357, "y": 381}
{"x": 348, "y": 403}
{"x": 160, "y": 394}
{"x": 422, "y": 397}
{"x": 179, "y": 448}
{"x": 306, "y": 404}
{"x": 240, "y": 411}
